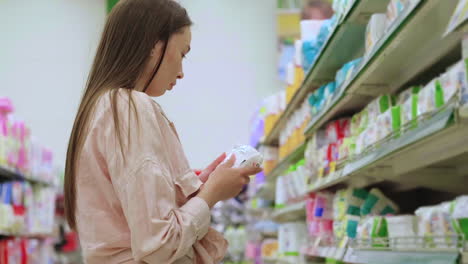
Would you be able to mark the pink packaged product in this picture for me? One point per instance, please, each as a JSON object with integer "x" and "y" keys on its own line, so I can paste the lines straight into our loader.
{"x": 6, "y": 107}
{"x": 323, "y": 208}
{"x": 312, "y": 223}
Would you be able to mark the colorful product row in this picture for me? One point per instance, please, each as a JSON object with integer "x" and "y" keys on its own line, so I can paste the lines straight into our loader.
{"x": 371, "y": 216}
{"x": 19, "y": 151}
{"x": 26, "y": 209}
{"x": 385, "y": 118}
{"x": 292, "y": 185}
{"x": 26, "y": 251}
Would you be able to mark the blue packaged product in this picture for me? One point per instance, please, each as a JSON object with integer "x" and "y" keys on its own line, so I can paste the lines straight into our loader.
{"x": 309, "y": 53}
{"x": 325, "y": 30}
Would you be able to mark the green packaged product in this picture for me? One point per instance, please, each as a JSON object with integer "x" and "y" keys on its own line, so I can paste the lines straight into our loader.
{"x": 379, "y": 106}
{"x": 409, "y": 111}
{"x": 373, "y": 229}
{"x": 389, "y": 122}
{"x": 403, "y": 96}
{"x": 378, "y": 204}
{"x": 355, "y": 124}
{"x": 430, "y": 97}
{"x": 352, "y": 223}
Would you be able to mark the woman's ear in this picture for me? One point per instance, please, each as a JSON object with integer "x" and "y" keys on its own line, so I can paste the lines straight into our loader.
{"x": 157, "y": 49}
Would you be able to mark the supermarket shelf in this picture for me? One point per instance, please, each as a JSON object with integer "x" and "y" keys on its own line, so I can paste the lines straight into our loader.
{"x": 394, "y": 250}
{"x": 290, "y": 213}
{"x": 419, "y": 157}
{"x": 432, "y": 256}
{"x": 7, "y": 174}
{"x": 266, "y": 191}
{"x": 269, "y": 189}
{"x": 407, "y": 50}
{"x": 26, "y": 236}
{"x": 322, "y": 253}
{"x": 344, "y": 44}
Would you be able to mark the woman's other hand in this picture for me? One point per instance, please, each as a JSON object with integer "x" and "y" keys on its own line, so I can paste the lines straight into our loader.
{"x": 226, "y": 182}
{"x": 205, "y": 174}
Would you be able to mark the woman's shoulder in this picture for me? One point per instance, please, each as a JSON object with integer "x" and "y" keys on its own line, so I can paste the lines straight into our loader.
{"x": 126, "y": 99}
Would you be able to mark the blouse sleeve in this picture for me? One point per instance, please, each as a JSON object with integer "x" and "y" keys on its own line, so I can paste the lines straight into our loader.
{"x": 161, "y": 231}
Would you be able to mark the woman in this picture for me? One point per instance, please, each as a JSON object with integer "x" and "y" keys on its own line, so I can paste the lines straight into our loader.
{"x": 129, "y": 191}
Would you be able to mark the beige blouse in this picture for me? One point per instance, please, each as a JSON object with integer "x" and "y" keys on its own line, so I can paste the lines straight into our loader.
{"x": 137, "y": 208}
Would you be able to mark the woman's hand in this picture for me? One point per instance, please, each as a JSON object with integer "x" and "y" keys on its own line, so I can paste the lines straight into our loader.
{"x": 205, "y": 174}
{"x": 226, "y": 182}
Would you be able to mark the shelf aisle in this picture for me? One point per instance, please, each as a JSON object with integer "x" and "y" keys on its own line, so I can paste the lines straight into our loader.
{"x": 415, "y": 174}
{"x": 406, "y": 50}
{"x": 344, "y": 44}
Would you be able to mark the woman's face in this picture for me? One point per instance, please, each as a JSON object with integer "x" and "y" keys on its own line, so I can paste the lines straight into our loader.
{"x": 171, "y": 66}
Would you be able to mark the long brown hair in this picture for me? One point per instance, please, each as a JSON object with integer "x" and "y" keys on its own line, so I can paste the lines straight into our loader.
{"x": 132, "y": 29}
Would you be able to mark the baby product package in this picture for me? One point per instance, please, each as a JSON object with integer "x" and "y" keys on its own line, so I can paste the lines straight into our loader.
{"x": 375, "y": 228}
{"x": 430, "y": 97}
{"x": 330, "y": 89}
{"x": 463, "y": 83}
{"x": 323, "y": 206}
{"x": 325, "y": 30}
{"x": 271, "y": 158}
{"x": 395, "y": 9}
{"x": 355, "y": 198}
{"x": 403, "y": 227}
{"x": 460, "y": 214}
{"x": 280, "y": 197}
{"x": 379, "y": 106}
{"x": 355, "y": 124}
{"x": 436, "y": 225}
{"x": 246, "y": 156}
{"x": 409, "y": 111}
{"x": 388, "y": 122}
{"x": 346, "y": 72}
{"x": 444, "y": 226}
{"x": 454, "y": 81}
{"x": 346, "y": 148}
{"x": 370, "y": 135}
{"x": 403, "y": 96}
{"x": 378, "y": 204}
{"x": 375, "y": 30}
{"x": 338, "y": 129}
{"x": 352, "y": 223}
{"x": 425, "y": 226}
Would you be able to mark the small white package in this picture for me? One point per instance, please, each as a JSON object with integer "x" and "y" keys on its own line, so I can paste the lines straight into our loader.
{"x": 246, "y": 156}
{"x": 402, "y": 230}
{"x": 375, "y": 30}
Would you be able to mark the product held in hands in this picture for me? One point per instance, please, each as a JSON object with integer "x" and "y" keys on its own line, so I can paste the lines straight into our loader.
{"x": 246, "y": 156}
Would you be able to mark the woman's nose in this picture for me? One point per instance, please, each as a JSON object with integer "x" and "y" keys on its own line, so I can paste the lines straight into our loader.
{"x": 180, "y": 75}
